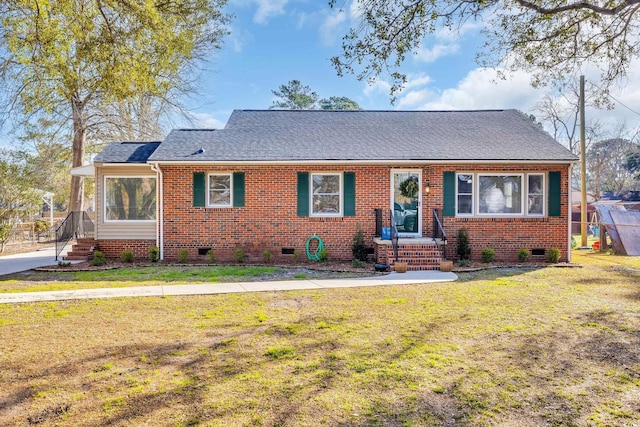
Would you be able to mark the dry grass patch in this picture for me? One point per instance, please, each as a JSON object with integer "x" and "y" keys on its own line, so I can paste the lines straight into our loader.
{"x": 543, "y": 347}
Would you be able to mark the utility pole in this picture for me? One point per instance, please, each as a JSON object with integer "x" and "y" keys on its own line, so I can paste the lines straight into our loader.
{"x": 583, "y": 170}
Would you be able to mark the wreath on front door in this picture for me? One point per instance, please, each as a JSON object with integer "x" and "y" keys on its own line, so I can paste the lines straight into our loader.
{"x": 409, "y": 187}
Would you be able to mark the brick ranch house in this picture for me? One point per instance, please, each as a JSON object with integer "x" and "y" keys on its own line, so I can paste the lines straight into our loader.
{"x": 272, "y": 179}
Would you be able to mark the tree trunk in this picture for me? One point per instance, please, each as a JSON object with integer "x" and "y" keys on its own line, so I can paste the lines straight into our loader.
{"x": 76, "y": 202}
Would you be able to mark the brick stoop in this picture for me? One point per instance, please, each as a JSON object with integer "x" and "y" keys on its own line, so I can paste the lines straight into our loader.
{"x": 82, "y": 250}
{"x": 418, "y": 256}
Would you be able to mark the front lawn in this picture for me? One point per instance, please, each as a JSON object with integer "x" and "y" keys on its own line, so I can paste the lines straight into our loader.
{"x": 552, "y": 346}
{"x": 158, "y": 275}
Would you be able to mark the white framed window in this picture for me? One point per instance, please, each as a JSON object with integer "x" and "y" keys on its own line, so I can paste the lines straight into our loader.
{"x": 129, "y": 198}
{"x": 535, "y": 194}
{"x": 500, "y": 194}
{"x": 219, "y": 190}
{"x": 326, "y": 194}
{"x": 464, "y": 194}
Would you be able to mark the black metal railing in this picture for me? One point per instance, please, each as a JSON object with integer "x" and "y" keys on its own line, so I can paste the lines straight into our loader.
{"x": 76, "y": 224}
{"x": 394, "y": 236}
{"x": 439, "y": 233}
{"x": 378, "y": 214}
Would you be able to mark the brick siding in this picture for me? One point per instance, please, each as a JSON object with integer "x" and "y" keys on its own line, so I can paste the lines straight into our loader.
{"x": 269, "y": 220}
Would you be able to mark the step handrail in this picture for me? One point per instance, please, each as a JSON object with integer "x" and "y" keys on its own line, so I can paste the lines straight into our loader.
{"x": 394, "y": 236}
{"x": 439, "y": 233}
{"x": 76, "y": 224}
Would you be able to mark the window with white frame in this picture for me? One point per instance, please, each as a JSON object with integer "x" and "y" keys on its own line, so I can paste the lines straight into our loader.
{"x": 129, "y": 198}
{"x": 219, "y": 194}
{"x": 326, "y": 194}
{"x": 535, "y": 194}
{"x": 500, "y": 194}
{"x": 464, "y": 194}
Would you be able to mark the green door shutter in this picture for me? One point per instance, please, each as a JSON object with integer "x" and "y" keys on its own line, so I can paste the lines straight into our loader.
{"x": 554, "y": 194}
{"x": 349, "y": 194}
{"x": 303, "y": 194}
{"x": 238, "y": 189}
{"x": 449, "y": 194}
{"x": 198, "y": 189}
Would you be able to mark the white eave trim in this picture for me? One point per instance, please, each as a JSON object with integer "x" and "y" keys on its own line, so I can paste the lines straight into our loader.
{"x": 84, "y": 171}
{"x": 351, "y": 162}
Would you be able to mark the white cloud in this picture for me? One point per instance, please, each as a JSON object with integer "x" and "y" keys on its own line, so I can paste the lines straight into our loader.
{"x": 482, "y": 88}
{"x": 416, "y": 80}
{"x": 328, "y": 28}
{"x": 377, "y": 87}
{"x": 436, "y": 52}
{"x": 239, "y": 38}
{"x": 207, "y": 120}
{"x": 413, "y": 98}
{"x": 268, "y": 9}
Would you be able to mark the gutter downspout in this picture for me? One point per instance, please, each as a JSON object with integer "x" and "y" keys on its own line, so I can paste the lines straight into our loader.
{"x": 570, "y": 212}
{"x": 160, "y": 209}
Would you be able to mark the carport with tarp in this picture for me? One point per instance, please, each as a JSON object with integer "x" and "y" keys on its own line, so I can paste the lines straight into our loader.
{"x": 622, "y": 226}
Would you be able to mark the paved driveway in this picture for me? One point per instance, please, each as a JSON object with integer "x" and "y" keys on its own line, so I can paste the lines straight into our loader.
{"x": 26, "y": 261}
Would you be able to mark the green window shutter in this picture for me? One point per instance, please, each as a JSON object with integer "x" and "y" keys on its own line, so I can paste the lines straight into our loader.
{"x": 238, "y": 189}
{"x": 303, "y": 194}
{"x": 449, "y": 194}
{"x": 349, "y": 196}
{"x": 554, "y": 194}
{"x": 199, "y": 189}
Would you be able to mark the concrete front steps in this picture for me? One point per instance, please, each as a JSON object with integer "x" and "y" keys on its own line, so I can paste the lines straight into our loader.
{"x": 419, "y": 254}
{"x": 82, "y": 250}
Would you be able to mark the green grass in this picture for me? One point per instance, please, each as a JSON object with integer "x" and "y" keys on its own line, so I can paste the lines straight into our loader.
{"x": 132, "y": 276}
{"x": 550, "y": 346}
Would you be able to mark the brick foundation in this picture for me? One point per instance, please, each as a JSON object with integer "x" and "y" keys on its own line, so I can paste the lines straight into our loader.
{"x": 113, "y": 248}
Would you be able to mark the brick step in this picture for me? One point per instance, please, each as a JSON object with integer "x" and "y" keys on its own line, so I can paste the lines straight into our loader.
{"x": 409, "y": 254}
{"x": 82, "y": 247}
{"x": 71, "y": 257}
{"x": 420, "y": 268}
{"x": 85, "y": 240}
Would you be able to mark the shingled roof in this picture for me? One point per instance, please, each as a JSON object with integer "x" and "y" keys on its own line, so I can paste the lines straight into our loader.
{"x": 126, "y": 152}
{"x": 387, "y": 136}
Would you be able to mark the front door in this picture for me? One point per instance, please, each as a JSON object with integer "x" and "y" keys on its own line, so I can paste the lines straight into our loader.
{"x": 406, "y": 198}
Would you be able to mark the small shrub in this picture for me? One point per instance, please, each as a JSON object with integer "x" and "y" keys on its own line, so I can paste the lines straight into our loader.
{"x": 154, "y": 253}
{"x": 464, "y": 249}
{"x": 211, "y": 256}
{"x": 98, "y": 258}
{"x": 183, "y": 255}
{"x": 296, "y": 255}
{"x": 488, "y": 255}
{"x": 464, "y": 263}
{"x": 126, "y": 255}
{"x": 323, "y": 255}
{"x": 359, "y": 247}
{"x": 266, "y": 256}
{"x": 239, "y": 256}
{"x": 524, "y": 255}
{"x": 553, "y": 255}
{"x": 64, "y": 263}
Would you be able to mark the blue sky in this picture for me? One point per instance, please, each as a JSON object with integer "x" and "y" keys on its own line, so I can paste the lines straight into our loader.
{"x": 274, "y": 41}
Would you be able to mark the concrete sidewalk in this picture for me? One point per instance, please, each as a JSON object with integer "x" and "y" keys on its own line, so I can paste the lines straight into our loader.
{"x": 409, "y": 278}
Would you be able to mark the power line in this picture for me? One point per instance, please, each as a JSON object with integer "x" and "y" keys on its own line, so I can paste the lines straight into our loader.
{"x": 616, "y": 100}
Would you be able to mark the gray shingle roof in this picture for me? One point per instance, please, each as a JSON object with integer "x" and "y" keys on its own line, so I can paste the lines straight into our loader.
{"x": 126, "y": 152}
{"x": 316, "y": 135}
